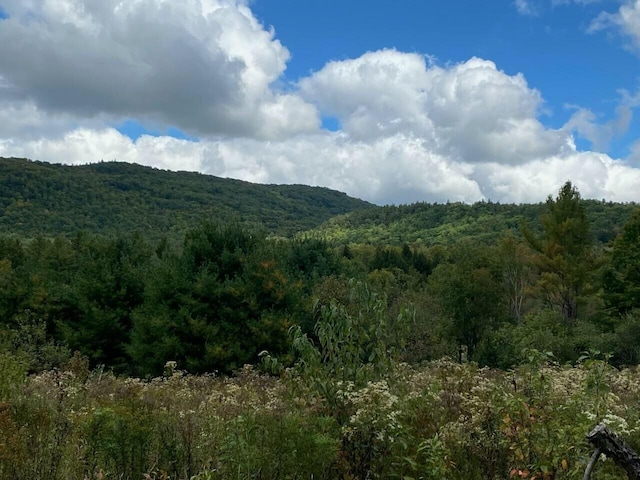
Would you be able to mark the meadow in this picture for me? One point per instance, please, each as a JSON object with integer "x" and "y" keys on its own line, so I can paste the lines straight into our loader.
{"x": 438, "y": 420}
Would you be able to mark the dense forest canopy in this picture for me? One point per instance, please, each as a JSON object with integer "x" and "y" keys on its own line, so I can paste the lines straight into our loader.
{"x": 447, "y": 223}
{"x": 560, "y": 281}
{"x": 42, "y": 199}
{"x": 39, "y": 198}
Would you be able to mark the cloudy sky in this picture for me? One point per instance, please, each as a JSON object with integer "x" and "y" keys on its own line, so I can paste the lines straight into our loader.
{"x": 392, "y": 102}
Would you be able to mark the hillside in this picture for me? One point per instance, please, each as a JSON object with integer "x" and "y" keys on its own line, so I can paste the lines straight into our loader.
{"x": 446, "y": 224}
{"x": 38, "y": 198}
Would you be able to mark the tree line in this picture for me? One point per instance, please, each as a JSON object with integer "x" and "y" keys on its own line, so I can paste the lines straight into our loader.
{"x": 226, "y": 293}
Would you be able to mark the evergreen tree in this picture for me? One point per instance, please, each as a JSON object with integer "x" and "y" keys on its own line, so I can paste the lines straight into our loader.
{"x": 215, "y": 306}
{"x": 564, "y": 252}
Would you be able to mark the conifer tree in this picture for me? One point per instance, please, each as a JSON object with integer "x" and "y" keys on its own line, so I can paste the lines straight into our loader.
{"x": 564, "y": 252}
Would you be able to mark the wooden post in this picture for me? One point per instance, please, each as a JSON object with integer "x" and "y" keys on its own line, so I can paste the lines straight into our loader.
{"x": 615, "y": 448}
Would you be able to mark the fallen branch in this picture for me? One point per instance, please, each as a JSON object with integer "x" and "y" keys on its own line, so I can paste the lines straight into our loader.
{"x": 592, "y": 463}
{"x": 616, "y": 449}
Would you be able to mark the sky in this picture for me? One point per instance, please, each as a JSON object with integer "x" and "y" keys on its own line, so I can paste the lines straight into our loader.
{"x": 392, "y": 102}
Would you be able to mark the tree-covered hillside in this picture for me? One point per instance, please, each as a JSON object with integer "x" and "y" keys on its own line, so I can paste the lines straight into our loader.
{"x": 448, "y": 223}
{"x": 38, "y": 198}
{"x": 43, "y": 199}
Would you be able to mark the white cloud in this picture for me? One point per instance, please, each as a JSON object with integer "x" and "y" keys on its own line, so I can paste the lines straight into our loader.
{"x": 377, "y": 94}
{"x": 410, "y": 130}
{"x": 525, "y": 7}
{"x": 634, "y": 156}
{"x": 389, "y": 170}
{"x": 205, "y": 66}
{"x": 82, "y": 146}
{"x": 626, "y": 21}
{"x": 585, "y": 123}
{"x": 392, "y": 169}
{"x": 594, "y": 174}
{"x": 470, "y": 112}
{"x": 23, "y": 120}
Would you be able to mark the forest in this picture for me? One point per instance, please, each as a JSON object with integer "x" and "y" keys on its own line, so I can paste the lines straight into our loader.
{"x": 110, "y": 198}
{"x": 422, "y": 341}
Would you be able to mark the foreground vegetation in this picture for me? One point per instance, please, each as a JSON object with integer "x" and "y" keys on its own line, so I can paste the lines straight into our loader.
{"x": 316, "y": 420}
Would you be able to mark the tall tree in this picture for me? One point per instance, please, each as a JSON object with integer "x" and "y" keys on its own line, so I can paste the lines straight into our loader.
{"x": 564, "y": 252}
{"x": 517, "y": 275}
{"x": 95, "y": 312}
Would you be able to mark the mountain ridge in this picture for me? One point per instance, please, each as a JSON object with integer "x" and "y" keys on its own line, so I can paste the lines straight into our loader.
{"x": 39, "y": 198}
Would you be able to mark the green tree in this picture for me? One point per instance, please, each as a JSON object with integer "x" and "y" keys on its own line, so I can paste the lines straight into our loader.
{"x": 565, "y": 256}
{"x": 308, "y": 259}
{"x": 621, "y": 278}
{"x": 215, "y": 306}
{"x": 108, "y": 284}
{"x": 517, "y": 275}
{"x": 471, "y": 293}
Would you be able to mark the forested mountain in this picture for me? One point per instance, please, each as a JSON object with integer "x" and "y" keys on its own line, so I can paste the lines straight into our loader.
{"x": 39, "y": 198}
{"x": 43, "y": 199}
{"x": 448, "y": 223}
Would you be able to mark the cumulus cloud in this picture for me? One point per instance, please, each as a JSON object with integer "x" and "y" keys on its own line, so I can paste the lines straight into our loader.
{"x": 392, "y": 169}
{"x": 596, "y": 176}
{"x": 411, "y": 130}
{"x": 20, "y": 121}
{"x": 469, "y": 112}
{"x": 205, "y": 66}
{"x": 395, "y": 169}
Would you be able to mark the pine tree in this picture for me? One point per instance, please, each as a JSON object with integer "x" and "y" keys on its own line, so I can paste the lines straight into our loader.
{"x": 565, "y": 252}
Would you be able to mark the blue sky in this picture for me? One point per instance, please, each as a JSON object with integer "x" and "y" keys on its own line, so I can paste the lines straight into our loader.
{"x": 393, "y": 102}
{"x": 551, "y": 46}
